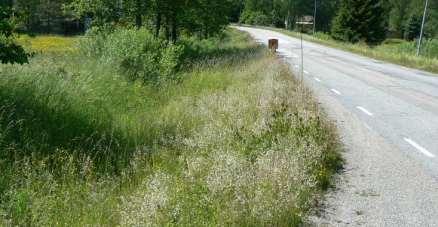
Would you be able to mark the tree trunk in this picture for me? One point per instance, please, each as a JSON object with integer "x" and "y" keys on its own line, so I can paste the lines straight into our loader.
{"x": 158, "y": 25}
{"x": 138, "y": 21}
{"x": 174, "y": 29}
{"x": 49, "y": 22}
{"x": 138, "y": 15}
{"x": 167, "y": 28}
{"x": 206, "y": 31}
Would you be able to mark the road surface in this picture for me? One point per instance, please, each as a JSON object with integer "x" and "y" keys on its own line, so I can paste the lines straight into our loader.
{"x": 388, "y": 119}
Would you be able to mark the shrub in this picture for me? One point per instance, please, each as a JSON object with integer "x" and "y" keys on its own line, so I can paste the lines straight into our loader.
{"x": 9, "y": 51}
{"x": 137, "y": 53}
{"x": 256, "y": 18}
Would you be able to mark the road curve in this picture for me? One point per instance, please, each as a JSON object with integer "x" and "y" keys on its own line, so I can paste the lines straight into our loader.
{"x": 388, "y": 119}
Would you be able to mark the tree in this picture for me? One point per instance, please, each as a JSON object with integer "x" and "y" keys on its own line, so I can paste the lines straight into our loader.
{"x": 326, "y": 11}
{"x": 40, "y": 15}
{"x": 236, "y": 10}
{"x": 413, "y": 27}
{"x": 170, "y": 17}
{"x": 361, "y": 20}
{"x": 102, "y": 11}
{"x": 399, "y": 15}
{"x": 210, "y": 21}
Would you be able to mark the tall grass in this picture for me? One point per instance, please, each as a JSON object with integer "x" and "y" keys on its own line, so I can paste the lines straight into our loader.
{"x": 394, "y": 51}
{"x": 232, "y": 141}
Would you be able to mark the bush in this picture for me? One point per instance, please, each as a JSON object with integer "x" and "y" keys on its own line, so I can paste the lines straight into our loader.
{"x": 256, "y": 18}
{"x": 9, "y": 51}
{"x": 137, "y": 53}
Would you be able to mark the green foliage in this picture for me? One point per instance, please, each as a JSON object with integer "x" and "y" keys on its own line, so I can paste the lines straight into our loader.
{"x": 256, "y": 18}
{"x": 5, "y": 25}
{"x": 42, "y": 16}
{"x": 204, "y": 18}
{"x": 281, "y": 13}
{"x": 413, "y": 27}
{"x": 361, "y": 20}
{"x": 399, "y": 12}
{"x": 10, "y": 52}
{"x": 102, "y": 11}
{"x": 136, "y": 53}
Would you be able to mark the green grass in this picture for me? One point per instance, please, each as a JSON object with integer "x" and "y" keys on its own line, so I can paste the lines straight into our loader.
{"x": 394, "y": 51}
{"x": 235, "y": 141}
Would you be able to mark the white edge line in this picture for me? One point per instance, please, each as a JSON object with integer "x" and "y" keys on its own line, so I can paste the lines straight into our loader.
{"x": 419, "y": 148}
{"x": 365, "y": 111}
{"x": 336, "y": 91}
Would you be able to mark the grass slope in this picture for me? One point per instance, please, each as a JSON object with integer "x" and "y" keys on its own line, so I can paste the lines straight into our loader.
{"x": 236, "y": 141}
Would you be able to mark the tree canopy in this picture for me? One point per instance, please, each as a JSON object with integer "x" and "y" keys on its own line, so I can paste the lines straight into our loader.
{"x": 168, "y": 17}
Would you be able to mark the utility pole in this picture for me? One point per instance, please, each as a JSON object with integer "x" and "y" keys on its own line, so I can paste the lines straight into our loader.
{"x": 422, "y": 28}
{"x": 314, "y": 19}
{"x": 302, "y": 54}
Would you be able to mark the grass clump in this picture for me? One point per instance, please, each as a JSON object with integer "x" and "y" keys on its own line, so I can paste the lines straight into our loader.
{"x": 233, "y": 141}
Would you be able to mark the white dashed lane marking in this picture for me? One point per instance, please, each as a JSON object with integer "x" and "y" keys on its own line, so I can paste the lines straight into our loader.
{"x": 317, "y": 79}
{"x": 419, "y": 148}
{"x": 335, "y": 91}
{"x": 365, "y": 111}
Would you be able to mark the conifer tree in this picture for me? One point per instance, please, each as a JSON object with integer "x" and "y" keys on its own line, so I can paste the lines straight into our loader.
{"x": 413, "y": 27}
{"x": 361, "y": 20}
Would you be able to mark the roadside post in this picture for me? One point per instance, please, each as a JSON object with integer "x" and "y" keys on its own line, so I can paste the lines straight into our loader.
{"x": 306, "y": 20}
{"x": 273, "y": 45}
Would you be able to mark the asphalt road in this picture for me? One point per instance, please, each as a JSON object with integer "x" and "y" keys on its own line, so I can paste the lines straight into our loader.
{"x": 388, "y": 119}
